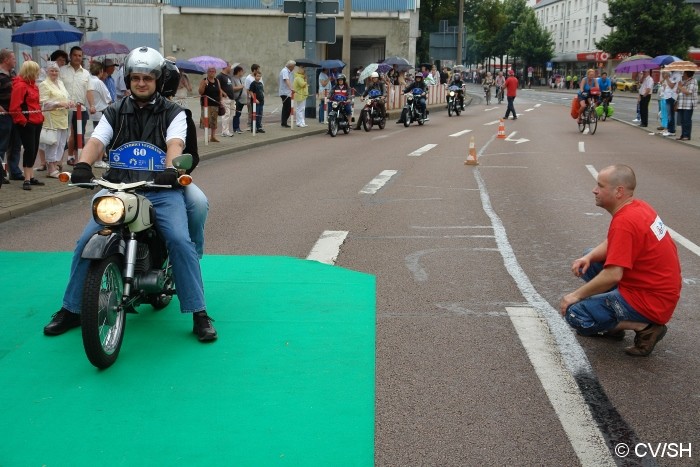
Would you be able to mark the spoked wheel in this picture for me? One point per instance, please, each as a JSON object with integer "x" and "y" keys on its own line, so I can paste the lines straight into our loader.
{"x": 102, "y": 317}
{"x": 333, "y": 127}
{"x": 382, "y": 123}
{"x": 488, "y": 98}
{"x": 405, "y": 118}
{"x": 449, "y": 109}
{"x": 457, "y": 111}
{"x": 346, "y": 128}
{"x": 592, "y": 122}
{"x": 605, "y": 112}
{"x": 582, "y": 118}
{"x": 367, "y": 121}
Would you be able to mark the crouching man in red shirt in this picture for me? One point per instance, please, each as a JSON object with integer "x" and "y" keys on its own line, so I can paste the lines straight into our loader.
{"x": 633, "y": 278}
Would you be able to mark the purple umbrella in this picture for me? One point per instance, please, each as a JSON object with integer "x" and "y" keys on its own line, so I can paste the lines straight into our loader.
{"x": 104, "y": 47}
{"x": 383, "y": 68}
{"x": 636, "y": 63}
{"x": 205, "y": 61}
{"x": 662, "y": 60}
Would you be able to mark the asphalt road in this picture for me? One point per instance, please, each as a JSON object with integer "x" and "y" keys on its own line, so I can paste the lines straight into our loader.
{"x": 474, "y": 365}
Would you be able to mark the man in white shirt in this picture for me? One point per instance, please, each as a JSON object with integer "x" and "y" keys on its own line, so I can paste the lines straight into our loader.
{"x": 76, "y": 78}
{"x": 285, "y": 90}
{"x": 644, "y": 97}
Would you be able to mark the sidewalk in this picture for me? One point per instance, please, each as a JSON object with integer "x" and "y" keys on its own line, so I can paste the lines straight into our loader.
{"x": 15, "y": 202}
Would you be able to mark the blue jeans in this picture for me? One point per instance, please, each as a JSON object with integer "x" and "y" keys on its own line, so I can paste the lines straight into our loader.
{"x": 171, "y": 217}
{"x": 10, "y": 140}
{"x": 685, "y": 120}
{"x": 671, "y": 115}
{"x": 197, "y": 211}
{"x": 602, "y": 312}
{"x": 511, "y": 107}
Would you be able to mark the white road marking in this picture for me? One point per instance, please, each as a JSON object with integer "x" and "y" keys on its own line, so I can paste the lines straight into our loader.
{"x": 529, "y": 110}
{"x": 495, "y": 122}
{"x": 581, "y": 147}
{"x": 680, "y": 239}
{"x": 423, "y": 150}
{"x": 517, "y": 141}
{"x": 378, "y": 182}
{"x": 460, "y": 133}
{"x": 327, "y": 247}
{"x": 583, "y": 432}
{"x": 560, "y": 386}
{"x": 537, "y": 105}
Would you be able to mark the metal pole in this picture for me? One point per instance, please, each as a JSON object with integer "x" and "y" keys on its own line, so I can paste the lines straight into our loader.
{"x": 347, "y": 37}
{"x": 460, "y": 32}
{"x": 310, "y": 47}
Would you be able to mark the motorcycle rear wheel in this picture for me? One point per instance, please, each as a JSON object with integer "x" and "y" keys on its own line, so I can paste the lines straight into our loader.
{"x": 103, "y": 318}
{"x": 382, "y": 123}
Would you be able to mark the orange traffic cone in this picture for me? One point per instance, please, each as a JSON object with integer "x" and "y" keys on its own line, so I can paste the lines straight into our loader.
{"x": 471, "y": 158}
{"x": 501, "y": 130}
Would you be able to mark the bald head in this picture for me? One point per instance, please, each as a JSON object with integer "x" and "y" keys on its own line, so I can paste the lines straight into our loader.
{"x": 622, "y": 175}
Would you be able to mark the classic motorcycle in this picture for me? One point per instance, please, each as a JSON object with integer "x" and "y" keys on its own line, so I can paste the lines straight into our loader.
{"x": 453, "y": 105}
{"x": 371, "y": 114}
{"x": 129, "y": 263}
{"x": 410, "y": 112}
{"x": 337, "y": 118}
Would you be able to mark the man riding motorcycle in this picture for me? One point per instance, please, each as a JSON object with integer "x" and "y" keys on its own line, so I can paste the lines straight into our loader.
{"x": 341, "y": 88}
{"x": 418, "y": 83}
{"x": 144, "y": 117}
{"x": 457, "y": 81}
{"x": 376, "y": 83}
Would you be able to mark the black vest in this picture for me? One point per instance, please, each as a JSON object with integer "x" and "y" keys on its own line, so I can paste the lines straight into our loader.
{"x": 131, "y": 123}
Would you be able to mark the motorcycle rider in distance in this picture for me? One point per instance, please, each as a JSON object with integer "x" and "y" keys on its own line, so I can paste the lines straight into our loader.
{"x": 418, "y": 83}
{"x": 378, "y": 84}
{"x": 142, "y": 116}
{"x": 341, "y": 88}
{"x": 457, "y": 81}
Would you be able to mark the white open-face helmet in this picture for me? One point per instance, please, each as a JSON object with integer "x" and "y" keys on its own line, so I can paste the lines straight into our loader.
{"x": 374, "y": 75}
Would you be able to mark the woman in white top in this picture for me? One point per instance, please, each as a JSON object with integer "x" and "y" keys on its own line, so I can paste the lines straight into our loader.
{"x": 99, "y": 91}
{"x": 55, "y": 103}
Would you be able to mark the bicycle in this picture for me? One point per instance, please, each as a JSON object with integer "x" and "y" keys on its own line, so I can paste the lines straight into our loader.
{"x": 487, "y": 91}
{"x": 499, "y": 94}
{"x": 588, "y": 117}
{"x": 606, "y": 96}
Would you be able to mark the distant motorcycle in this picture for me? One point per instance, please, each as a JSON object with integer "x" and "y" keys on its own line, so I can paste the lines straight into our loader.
{"x": 337, "y": 118}
{"x": 453, "y": 105}
{"x": 371, "y": 114}
{"x": 410, "y": 112}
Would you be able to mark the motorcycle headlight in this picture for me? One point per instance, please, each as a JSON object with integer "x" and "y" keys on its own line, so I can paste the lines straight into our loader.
{"x": 368, "y": 101}
{"x": 410, "y": 97}
{"x": 335, "y": 105}
{"x": 452, "y": 93}
{"x": 108, "y": 210}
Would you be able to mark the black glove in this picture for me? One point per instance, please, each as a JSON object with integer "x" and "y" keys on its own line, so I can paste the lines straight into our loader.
{"x": 167, "y": 177}
{"x": 82, "y": 173}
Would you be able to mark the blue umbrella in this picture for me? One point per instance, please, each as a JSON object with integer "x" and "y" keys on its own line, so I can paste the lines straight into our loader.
{"x": 46, "y": 32}
{"x": 332, "y": 64}
{"x": 662, "y": 60}
{"x": 186, "y": 66}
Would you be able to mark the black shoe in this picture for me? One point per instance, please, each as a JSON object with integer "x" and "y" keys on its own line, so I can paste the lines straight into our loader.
{"x": 5, "y": 181}
{"x": 515, "y": 118}
{"x": 62, "y": 321}
{"x": 260, "y": 130}
{"x": 202, "y": 327}
{"x": 27, "y": 185}
{"x": 16, "y": 177}
{"x": 34, "y": 181}
{"x": 286, "y": 126}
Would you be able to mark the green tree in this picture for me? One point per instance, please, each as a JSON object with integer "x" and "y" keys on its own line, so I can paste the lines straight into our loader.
{"x": 650, "y": 26}
{"x": 531, "y": 42}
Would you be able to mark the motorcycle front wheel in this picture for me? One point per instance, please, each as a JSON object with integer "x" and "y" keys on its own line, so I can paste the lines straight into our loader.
{"x": 333, "y": 127}
{"x": 367, "y": 121}
{"x": 102, "y": 317}
{"x": 449, "y": 109}
{"x": 405, "y": 118}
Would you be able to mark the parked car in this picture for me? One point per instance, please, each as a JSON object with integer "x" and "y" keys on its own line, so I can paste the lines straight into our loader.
{"x": 626, "y": 84}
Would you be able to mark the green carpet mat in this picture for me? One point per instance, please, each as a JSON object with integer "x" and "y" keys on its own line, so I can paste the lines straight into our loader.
{"x": 290, "y": 380}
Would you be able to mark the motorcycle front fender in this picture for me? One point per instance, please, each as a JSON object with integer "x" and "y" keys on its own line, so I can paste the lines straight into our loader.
{"x": 103, "y": 246}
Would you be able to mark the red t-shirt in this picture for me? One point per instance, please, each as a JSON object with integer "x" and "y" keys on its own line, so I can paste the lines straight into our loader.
{"x": 639, "y": 242}
{"x": 511, "y": 86}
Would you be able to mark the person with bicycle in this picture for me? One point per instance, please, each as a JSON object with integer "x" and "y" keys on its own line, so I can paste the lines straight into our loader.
{"x": 487, "y": 83}
{"x": 606, "y": 90}
{"x": 500, "y": 83}
{"x": 585, "y": 87}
